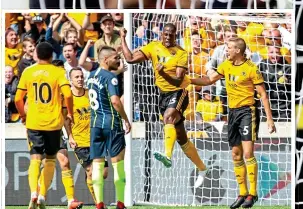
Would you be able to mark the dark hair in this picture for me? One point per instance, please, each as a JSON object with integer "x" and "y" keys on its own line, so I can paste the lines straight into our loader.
{"x": 44, "y": 51}
{"x": 69, "y": 44}
{"x": 171, "y": 25}
{"x": 7, "y": 31}
{"x": 58, "y": 63}
{"x": 74, "y": 69}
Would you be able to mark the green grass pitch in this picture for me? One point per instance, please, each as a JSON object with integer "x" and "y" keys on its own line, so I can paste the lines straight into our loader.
{"x": 158, "y": 207}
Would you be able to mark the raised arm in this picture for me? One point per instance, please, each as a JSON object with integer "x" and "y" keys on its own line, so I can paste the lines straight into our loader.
{"x": 82, "y": 60}
{"x": 262, "y": 92}
{"x": 207, "y": 80}
{"x": 87, "y": 25}
{"x": 130, "y": 57}
{"x": 79, "y": 29}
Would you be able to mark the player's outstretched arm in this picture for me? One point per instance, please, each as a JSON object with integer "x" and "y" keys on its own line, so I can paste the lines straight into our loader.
{"x": 19, "y": 102}
{"x": 117, "y": 104}
{"x": 262, "y": 92}
{"x": 206, "y": 80}
{"x": 130, "y": 57}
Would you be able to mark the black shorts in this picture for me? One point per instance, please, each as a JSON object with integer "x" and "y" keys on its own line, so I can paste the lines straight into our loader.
{"x": 106, "y": 142}
{"x": 44, "y": 142}
{"x": 175, "y": 99}
{"x": 243, "y": 125}
{"x": 83, "y": 156}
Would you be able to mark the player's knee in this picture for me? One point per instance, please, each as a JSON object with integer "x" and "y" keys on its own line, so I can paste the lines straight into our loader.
{"x": 168, "y": 119}
{"x": 64, "y": 163}
{"x": 248, "y": 154}
{"x": 236, "y": 156}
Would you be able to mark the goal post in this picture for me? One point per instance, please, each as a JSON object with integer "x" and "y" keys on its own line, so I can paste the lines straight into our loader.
{"x": 153, "y": 184}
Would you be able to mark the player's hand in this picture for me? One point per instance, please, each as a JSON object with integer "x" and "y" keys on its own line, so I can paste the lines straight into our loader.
{"x": 159, "y": 68}
{"x": 54, "y": 17}
{"x": 123, "y": 32}
{"x": 23, "y": 119}
{"x": 271, "y": 126}
{"x": 90, "y": 43}
{"x": 72, "y": 143}
{"x": 127, "y": 127}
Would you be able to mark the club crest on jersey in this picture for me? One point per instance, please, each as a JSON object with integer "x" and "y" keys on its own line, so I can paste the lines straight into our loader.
{"x": 162, "y": 59}
{"x": 115, "y": 81}
{"x": 244, "y": 73}
{"x": 233, "y": 78}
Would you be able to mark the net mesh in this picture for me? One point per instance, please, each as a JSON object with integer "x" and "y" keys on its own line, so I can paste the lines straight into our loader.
{"x": 206, "y": 114}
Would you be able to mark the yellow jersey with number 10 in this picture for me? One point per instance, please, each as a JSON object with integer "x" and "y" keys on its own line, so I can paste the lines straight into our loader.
{"x": 171, "y": 58}
{"x": 43, "y": 84}
{"x": 240, "y": 82}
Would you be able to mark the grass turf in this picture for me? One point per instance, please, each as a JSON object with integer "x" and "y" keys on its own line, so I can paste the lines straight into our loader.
{"x": 158, "y": 207}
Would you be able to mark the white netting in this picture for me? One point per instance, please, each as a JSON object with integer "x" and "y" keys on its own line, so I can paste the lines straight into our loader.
{"x": 155, "y": 184}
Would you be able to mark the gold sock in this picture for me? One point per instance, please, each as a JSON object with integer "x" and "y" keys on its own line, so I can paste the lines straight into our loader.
{"x": 252, "y": 170}
{"x": 89, "y": 183}
{"x": 240, "y": 173}
{"x": 191, "y": 152}
{"x": 170, "y": 135}
{"x": 68, "y": 182}
{"x": 33, "y": 174}
{"x": 47, "y": 175}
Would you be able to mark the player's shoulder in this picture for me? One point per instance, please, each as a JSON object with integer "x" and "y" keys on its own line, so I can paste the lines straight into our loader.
{"x": 226, "y": 63}
{"x": 179, "y": 48}
{"x": 250, "y": 64}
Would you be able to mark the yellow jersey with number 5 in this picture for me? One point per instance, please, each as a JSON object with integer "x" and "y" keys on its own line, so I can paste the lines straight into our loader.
{"x": 43, "y": 83}
{"x": 81, "y": 127}
{"x": 170, "y": 58}
{"x": 240, "y": 82}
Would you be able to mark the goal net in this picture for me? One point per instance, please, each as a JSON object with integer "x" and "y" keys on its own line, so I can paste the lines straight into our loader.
{"x": 206, "y": 126}
{"x": 143, "y": 4}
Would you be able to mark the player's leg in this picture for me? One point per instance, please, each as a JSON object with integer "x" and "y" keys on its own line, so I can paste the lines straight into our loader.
{"x": 105, "y": 171}
{"x": 36, "y": 146}
{"x": 249, "y": 128}
{"x": 98, "y": 151}
{"x": 83, "y": 156}
{"x": 168, "y": 103}
{"x": 191, "y": 152}
{"x": 67, "y": 178}
{"x": 52, "y": 145}
{"x": 116, "y": 147}
{"x": 234, "y": 139}
{"x": 240, "y": 174}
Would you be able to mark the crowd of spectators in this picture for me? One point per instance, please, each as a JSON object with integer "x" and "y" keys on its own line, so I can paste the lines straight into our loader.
{"x": 67, "y": 32}
{"x": 76, "y": 38}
